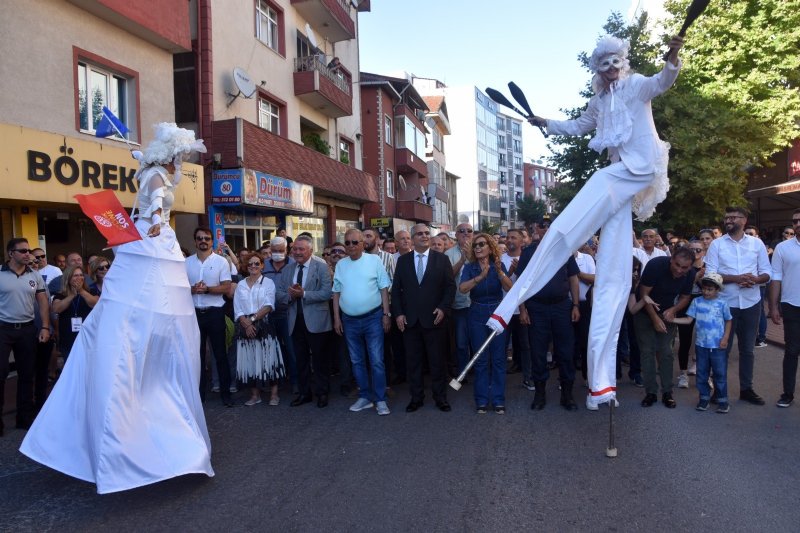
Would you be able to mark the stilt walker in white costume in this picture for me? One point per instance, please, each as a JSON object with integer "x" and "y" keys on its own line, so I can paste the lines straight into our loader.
{"x": 635, "y": 180}
{"x": 126, "y": 410}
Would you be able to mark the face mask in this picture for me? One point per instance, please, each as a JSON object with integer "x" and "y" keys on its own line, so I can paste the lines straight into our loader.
{"x": 278, "y": 258}
{"x": 611, "y": 61}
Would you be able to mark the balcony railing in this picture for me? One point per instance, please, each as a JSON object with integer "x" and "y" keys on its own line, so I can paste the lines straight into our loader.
{"x": 317, "y": 63}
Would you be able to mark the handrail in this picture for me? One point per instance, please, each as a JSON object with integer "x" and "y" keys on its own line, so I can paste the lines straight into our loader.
{"x": 317, "y": 62}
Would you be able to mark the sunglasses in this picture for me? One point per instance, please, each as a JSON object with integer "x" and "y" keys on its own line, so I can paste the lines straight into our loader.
{"x": 612, "y": 61}
{"x": 351, "y": 243}
{"x": 325, "y": 254}
{"x": 338, "y": 252}
{"x": 254, "y": 264}
{"x": 202, "y": 238}
{"x": 480, "y": 244}
{"x": 463, "y": 230}
{"x": 22, "y": 251}
{"x": 697, "y": 250}
{"x": 102, "y": 267}
{"x": 39, "y": 257}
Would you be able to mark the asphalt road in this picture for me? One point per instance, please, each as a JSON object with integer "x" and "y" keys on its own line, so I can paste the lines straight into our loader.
{"x": 309, "y": 469}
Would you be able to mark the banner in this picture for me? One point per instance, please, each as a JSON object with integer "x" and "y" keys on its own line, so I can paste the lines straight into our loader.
{"x": 109, "y": 217}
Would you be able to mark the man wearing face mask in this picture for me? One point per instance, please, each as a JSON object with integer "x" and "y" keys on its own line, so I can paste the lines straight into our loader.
{"x": 272, "y": 269}
{"x": 636, "y": 180}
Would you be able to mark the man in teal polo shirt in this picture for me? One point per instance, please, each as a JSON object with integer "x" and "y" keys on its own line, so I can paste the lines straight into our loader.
{"x": 361, "y": 313}
{"x": 19, "y": 287}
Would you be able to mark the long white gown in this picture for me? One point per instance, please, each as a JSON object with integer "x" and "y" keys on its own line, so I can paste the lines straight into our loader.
{"x": 126, "y": 410}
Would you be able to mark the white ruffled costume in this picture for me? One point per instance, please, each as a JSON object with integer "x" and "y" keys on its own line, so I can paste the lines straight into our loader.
{"x": 636, "y": 179}
{"x": 126, "y": 410}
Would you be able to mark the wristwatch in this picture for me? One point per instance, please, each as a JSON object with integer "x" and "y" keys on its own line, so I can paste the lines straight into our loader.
{"x": 252, "y": 318}
{"x": 388, "y": 314}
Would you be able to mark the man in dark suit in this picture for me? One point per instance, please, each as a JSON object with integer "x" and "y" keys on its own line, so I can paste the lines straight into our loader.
{"x": 305, "y": 287}
{"x": 422, "y": 291}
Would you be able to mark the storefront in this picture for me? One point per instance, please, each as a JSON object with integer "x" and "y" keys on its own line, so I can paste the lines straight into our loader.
{"x": 42, "y": 172}
{"x": 389, "y": 226}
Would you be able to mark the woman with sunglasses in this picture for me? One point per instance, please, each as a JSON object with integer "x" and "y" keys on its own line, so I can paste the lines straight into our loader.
{"x": 485, "y": 278}
{"x": 72, "y": 305}
{"x": 258, "y": 353}
{"x": 98, "y": 268}
{"x": 126, "y": 410}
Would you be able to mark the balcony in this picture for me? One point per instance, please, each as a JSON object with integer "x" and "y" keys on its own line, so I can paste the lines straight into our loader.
{"x": 322, "y": 88}
{"x": 329, "y": 18}
{"x": 414, "y": 210}
{"x": 407, "y": 161}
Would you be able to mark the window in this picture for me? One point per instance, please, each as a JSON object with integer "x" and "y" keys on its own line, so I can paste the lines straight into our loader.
{"x": 345, "y": 151}
{"x": 269, "y": 25}
{"x": 389, "y": 184}
{"x": 516, "y": 128}
{"x": 387, "y": 129}
{"x": 269, "y": 116}
{"x": 517, "y": 163}
{"x": 103, "y": 83}
{"x": 304, "y": 47}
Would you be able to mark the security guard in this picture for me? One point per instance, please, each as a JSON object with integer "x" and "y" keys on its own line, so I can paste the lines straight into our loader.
{"x": 19, "y": 285}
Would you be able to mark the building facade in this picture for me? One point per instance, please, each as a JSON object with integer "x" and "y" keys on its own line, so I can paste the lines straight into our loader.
{"x": 274, "y": 81}
{"x": 539, "y": 178}
{"x": 509, "y": 148}
{"x": 54, "y": 85}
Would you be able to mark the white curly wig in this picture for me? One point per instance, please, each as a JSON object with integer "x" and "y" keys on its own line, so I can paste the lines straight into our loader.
{"x": 605, "y": 47}
{"x": 170, "y": 145}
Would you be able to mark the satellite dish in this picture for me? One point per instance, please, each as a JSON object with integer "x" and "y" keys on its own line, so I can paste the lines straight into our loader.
{"x": 311, "y": 38}
{"x": 246, "y": 86}
{"x": 402, "y": 181}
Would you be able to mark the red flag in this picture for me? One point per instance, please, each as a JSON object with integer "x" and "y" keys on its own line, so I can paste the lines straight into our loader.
{"x": 109, "y": 217}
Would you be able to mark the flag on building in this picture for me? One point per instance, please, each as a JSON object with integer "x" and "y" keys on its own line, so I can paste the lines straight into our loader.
{"x": 108, "y": 215}
{"x": 109, "y": 125}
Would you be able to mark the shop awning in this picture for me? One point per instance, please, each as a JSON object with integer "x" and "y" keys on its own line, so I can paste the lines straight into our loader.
{"x": 775, "y": 203}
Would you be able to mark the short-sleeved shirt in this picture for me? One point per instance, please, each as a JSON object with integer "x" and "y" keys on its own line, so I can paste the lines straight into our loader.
{"x": 666, "y": 288}
{"x": 710, "y": 317}
{"x": 213, "y": 271}
{"x": 359, "y": 283}
{"x": 461, "y": 301}
{"x": 17, "y": 294}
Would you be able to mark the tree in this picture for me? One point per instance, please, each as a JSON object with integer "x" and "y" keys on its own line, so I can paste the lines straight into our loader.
{"x": 530, "y": 211}
{"x": 489, "y": 228}
{"x": 735, "y": 103}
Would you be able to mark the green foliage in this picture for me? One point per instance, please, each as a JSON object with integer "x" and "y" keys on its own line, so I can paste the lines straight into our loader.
{"x": 735, "y": 103}
{"x": 314, "y": 141}
{"x": 530, "y": 210}
{"x": 343, "y": 158}
{"x": 489, "y": 228}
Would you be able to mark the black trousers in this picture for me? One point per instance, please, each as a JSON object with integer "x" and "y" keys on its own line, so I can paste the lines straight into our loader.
{"x": 44, "y": 351}
{"x": 211, "y": 322}
{"x": 22, "y": 341}
{"x": 309, "y": 350}
{"x": 419, "y": 342}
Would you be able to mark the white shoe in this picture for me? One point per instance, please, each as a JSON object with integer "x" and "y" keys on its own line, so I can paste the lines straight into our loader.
{"x": 692, "y": 370}
{"x": 683, "y": 381}
{"x": 361, "y": 404}
{"x": 233, "y": 388}
{"x": 383, "y": 409}
{"x": 251, "y": 402}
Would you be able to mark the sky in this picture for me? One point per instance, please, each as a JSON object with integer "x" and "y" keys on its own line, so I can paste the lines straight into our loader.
{"x": 534, "y": 43}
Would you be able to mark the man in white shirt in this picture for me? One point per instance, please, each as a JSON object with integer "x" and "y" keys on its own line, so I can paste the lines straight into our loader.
{"x": 743, "y": 263}
{"x": 648, "y": 250}
{"x": 587, "y": 268}
{"x": 48, "y": 272}
{"x": 210, "y": 277}
{"x": 785, "y": 288}
{"x": 519, "y": 332}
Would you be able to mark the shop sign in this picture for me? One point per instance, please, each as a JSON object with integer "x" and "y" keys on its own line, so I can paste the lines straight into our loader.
{"x": 382, "y": 222}
{"x": 226, "y": 186}
{"x": 250, "y": 187}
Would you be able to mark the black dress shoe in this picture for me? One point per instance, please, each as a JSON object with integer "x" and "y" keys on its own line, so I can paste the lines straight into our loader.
{"x": 444, "y": 406}
{"x": 649, "y": 400}
{"x": 300, "y": 399}
{"x": 413, "y": 406}
{"x": 322, "y": 401}
{"x": 668, "y": 400}
{"x": 749, "y": 395}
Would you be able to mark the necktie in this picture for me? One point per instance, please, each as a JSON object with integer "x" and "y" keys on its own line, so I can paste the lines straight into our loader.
{"x": 300, "y": 282}
{"x": 420, "y": 268}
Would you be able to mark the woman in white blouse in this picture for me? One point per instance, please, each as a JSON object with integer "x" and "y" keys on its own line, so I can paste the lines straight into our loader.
{"x": 258, "y": 354}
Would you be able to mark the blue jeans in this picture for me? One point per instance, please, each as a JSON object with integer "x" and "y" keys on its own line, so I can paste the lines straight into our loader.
{"x": 490, "y": 368}
{"x": 744, "y": 324}
{"x": 461, "y": 324}
{"x": 367, "y": 330}
{"x": 717, "y": 360}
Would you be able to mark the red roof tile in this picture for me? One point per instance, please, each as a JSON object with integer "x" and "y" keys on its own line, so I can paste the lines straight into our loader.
{"x": 433, "y": 102}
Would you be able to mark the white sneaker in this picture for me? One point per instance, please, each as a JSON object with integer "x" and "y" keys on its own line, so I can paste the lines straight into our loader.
{"x": 683, "y": 381}
{"x": 383, "y": 409}
{"x": 361, "y": 404}
{"x": 692, "y": 370}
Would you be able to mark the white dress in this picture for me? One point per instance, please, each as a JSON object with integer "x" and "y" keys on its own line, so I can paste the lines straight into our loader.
{"x": 126, "y": 410}
{"x": 259, "y": 357}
